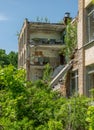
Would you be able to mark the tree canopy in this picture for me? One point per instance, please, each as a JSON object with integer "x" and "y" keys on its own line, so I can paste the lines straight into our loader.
{"x": 6, "y": 59}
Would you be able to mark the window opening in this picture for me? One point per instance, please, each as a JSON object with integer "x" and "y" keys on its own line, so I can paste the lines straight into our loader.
{"x": 74, "y": 82}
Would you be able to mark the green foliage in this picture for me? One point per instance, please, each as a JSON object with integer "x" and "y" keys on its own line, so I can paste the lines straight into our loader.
{"x": 90, "y": 112}
{"x": 13, "y": 58}
{"x": 70, "y": 40}
{"x": 34, "y": 106}
{"x": 6, "y": 59}
{"x": 26, "y": 105}
{"x": 47, "y": 73}
{"x": 55, "y": 125}
{"x": 10, "y": 78}
{"x": 73, "y": 113}
{"x": 93, "y": 1}
{"x": 3, "y": 58}
{"x": 90, "y": 117}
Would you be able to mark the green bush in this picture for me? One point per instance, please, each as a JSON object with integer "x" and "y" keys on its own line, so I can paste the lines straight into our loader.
{"x": 73, "y": 113}
{"x": 34, "y": 106}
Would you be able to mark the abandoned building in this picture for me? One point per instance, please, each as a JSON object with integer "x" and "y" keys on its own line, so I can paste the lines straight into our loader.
{"x": 82, "y": 73}
{"x": 39, "y": 44}
{"x": 85, "y": 46}
{"x": 80, "y": 77}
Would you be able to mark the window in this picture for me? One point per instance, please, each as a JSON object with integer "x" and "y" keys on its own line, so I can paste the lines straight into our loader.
{"x": 90, "y": 24}
{"x": 62, "y": 59}
{"x": 74, "y": 82}
{"x": 89, "y": 79}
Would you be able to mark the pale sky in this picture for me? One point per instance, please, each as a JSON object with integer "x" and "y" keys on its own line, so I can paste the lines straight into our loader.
{"x": 13, "y": 13}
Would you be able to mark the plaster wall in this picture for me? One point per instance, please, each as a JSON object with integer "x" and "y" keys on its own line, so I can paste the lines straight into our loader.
{"x": 47, "y": 52}
{"x": 89, "y": 56}
{"x": 45, "y": 35}
{"x": 87, "y": 2}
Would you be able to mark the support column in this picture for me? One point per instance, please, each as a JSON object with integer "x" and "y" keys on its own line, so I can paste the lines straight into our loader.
{"x": 81, "y": 57}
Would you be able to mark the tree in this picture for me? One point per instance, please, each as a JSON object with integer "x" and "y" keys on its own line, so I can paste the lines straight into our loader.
{"x": 3, "y": 58}
{"x": 13, "y": 58}
{"x": 6, "y": 59}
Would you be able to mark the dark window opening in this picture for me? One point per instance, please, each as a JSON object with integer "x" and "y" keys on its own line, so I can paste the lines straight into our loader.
{"x": 62, "y": 60}
{"x": 74, "y": 82}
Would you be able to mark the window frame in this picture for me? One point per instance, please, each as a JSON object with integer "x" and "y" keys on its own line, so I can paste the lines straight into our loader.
{"x": 90, "y": 12}
{"x": 89, "y": 81}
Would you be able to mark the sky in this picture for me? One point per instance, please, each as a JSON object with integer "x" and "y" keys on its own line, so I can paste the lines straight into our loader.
{"x": 13, "y": 13}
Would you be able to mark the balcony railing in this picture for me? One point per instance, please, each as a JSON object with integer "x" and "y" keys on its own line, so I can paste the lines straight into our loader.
{"x": 41, "y": 41}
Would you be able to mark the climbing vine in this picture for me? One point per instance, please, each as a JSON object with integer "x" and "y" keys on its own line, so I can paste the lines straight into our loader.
{"x": 70, "y": 40}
